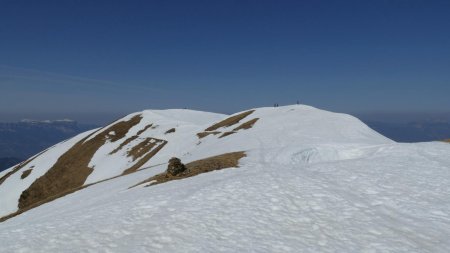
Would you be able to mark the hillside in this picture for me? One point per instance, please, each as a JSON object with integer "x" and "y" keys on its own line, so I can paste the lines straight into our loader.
{"x": 267, "y": 180}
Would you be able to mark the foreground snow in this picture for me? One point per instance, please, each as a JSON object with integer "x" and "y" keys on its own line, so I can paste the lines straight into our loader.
{"x": 394, "y": 200}
{"x": 340, "y": 189}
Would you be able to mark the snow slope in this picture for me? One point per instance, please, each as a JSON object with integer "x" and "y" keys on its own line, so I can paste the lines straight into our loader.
{"x": 11, "y": 189}
{"x": 186, "y": 123}
{"x": 312, "y": 181}
{"x": 107, "y": 165}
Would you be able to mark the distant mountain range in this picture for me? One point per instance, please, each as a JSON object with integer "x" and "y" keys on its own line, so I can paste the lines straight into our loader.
{"x": 20, "y": 140}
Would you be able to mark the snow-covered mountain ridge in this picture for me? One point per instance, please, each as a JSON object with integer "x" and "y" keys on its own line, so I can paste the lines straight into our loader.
{"x": 310, "y": 180}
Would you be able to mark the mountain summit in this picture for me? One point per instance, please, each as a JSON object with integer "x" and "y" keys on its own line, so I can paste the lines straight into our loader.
{"x": 288, "y": 178}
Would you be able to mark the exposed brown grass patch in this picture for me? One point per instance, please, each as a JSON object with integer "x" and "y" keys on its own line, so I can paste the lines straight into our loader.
{"x": 127, "y": 141}
{"x": 247, "y": 125}
{"x": 448, "y": 140}
{"x": 143, "y": 147}
{"x": 229, "y": 121}
{"x": 204, "y": 134}
{"x": 160, "y": 144}
{"x": 25, "y": 173}
{"x": 144, "y": 129}
{"x": 228, "y": 160}
{"x": 121, "y": 128}
{"x": 227, "y": 133}
{"x": 218, "y": 162}
{"x": 172, "y": 130}
{"x": 71, "y": 169}
{"x": 132, "y": 138}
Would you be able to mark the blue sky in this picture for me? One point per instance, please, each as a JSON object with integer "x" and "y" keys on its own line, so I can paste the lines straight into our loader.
{"x": 80, "y": 58}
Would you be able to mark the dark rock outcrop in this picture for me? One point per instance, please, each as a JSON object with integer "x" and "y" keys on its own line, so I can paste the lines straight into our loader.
{"x": 172, "y": 130}
{"x": 175, "y": 166}
{"x": 25, "y": 173}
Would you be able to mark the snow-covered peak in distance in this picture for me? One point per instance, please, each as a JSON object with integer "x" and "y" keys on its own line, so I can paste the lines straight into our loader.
{"x": 307, "y": 179}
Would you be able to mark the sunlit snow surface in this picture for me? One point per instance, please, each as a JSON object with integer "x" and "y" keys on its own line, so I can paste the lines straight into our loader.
{"x": 302, "y": 188}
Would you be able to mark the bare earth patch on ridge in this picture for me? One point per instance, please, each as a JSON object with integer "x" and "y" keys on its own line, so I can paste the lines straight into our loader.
{"x": 204, "y": 134}
{"x": 144, "y": 147}
{"x": 219, "y": 162}
{"x": 155, "y": 145}
{"x": 132, "y": 138}
{"x": 229, "y": 121}
{"x": 247, "y": 125}
{"x": 233, "y": 120}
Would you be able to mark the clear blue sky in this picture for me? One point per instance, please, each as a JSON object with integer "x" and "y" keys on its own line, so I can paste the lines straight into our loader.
{"x": 77, "y": 58}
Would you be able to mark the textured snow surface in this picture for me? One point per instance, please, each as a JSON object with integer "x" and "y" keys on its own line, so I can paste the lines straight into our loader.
{"x": 327, "y": 184}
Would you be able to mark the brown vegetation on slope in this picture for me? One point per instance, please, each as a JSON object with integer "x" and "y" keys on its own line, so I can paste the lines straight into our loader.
{"x": 204, "y": 134}
{"x": 229, "y": 121}
{"x": 247, "y": 125}
{"x": 448, "y": 140}
{"x": 227, "y": 133}
{"x": 71, "y": 169}
{"x": 123, "y": 144}
{"x": 132, "y": 138}
{"x": 228, "y": 160}
{"x": 154, "y": 150}
{"x": 143, "y": 147}
{"x": 144, "y": 129}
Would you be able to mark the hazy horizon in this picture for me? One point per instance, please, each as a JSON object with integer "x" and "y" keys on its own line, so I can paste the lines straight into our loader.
{"x": 96, "y": 61}
{"x": 101, "y": 118}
